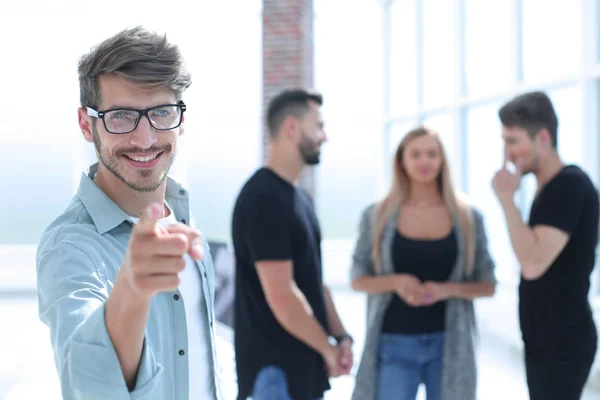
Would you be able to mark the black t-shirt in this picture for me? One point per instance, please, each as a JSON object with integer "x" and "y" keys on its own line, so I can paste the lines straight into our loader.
{"x": 273, "y": 220}
{"x": 427, "y": 260}
{"x": 555, "y": 315}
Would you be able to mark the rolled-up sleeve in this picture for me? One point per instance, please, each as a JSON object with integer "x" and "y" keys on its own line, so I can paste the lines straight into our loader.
{"x": 362, "y": 261}
{"x": 484, "y": 266}
{"x": 71, "y": 296}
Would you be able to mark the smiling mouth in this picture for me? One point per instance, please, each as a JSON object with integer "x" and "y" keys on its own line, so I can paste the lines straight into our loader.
{"x": 142, "y": 159}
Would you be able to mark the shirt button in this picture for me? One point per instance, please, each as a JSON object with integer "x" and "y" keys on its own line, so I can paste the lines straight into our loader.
{"x": 182, "y": 192}
{"x": 176, "y": 297}
{"x": 183, "y": 221}
{"x": 181, "y": 352}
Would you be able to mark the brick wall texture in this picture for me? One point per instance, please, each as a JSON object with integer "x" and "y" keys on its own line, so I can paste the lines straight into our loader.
{"x": 287, "y": 59}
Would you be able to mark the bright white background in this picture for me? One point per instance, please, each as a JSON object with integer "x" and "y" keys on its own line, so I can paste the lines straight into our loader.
{"x": 383, "y": 67}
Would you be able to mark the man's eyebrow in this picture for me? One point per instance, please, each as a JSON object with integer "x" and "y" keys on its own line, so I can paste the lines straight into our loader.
{"x": 113, "y": 106}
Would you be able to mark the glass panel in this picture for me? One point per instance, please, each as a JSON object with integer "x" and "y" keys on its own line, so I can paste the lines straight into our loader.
{"x": 551, "y": 39}
{"x": 397, "y": 133}
{"x": 36, "y": 138}
{"x": 439, "y": 52}
{"x": 403, "y": 57}
{"x": 488, "y": 26}
{"x": 595, "y": 31}
{"x": 352, "y": 155}
{"x": 571, "y": 136}
{"x": 443, "y": 124}
{"x": 484, "y": 158}
{"x": 215, "y": 168}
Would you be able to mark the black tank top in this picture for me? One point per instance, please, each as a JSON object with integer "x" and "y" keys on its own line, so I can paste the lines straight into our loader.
{"x": 427, "y": 260}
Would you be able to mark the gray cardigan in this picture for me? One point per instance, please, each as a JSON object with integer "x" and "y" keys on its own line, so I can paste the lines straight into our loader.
{"x": 459, "y": 377}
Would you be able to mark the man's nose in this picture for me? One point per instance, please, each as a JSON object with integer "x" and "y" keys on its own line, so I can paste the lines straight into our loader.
{"x": 324, "y": 137}
{"x": 144, "y": 136}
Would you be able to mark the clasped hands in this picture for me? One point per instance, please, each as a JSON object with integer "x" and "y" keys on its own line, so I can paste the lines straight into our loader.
{"x": 339, "y": 359}
{"x": 418, "y": 294}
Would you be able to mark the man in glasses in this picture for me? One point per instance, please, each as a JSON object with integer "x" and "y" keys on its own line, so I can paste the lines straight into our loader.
{"x": 125, "y": 281}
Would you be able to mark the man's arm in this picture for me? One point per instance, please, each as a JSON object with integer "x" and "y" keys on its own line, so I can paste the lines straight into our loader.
{"x": 98, "y": 339}
{"x": 535, "y": 248}
{"x": 556, "y": 218}
{"x": 152, "y": 263}
{"x": 290, "y": 307}
{"x": 267, "y": 235}
{"x": 336, "y": 328}
{"x": 126, "y": 317}
{"x": 72, "y": 299}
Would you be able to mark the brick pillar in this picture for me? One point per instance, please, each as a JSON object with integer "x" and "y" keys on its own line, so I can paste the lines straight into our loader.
{"x": 287, "y": 59}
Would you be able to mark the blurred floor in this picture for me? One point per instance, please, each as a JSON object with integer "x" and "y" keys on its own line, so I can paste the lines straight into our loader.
{"x": 27, "y": 368}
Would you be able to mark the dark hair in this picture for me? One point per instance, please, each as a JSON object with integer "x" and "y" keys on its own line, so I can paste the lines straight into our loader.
{"x": 531, "y": 111}
{"x": 290, "y": 102}
{"x": 137, "y": 55}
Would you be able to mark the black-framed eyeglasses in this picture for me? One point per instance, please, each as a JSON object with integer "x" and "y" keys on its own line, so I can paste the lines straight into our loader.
{"x": 120, "y": 121}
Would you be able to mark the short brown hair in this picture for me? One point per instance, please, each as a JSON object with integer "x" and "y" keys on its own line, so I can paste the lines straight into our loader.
{"x": 290, "y": 102}
{"x": 531, "y": 111}
{"x": 137, "y": 55}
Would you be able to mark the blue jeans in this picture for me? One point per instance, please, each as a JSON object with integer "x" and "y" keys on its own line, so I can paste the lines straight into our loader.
{"x": 271, "y": 384}
{"x": 406, "y": 361}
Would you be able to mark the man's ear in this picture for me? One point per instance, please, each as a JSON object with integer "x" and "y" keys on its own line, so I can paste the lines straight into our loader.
{"x": 85, "y": 124}
{"x": 290, "y": 126}
{"x": 544, "y": 137}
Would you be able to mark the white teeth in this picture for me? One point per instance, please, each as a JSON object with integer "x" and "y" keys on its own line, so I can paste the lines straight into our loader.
{"x": 143, "y": 159}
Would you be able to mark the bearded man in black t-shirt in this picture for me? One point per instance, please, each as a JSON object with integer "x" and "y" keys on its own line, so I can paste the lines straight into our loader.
{"x": 284, "y": 315}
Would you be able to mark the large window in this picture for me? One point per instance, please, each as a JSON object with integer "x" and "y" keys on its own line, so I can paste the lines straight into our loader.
{"x": 38, "y": 123}
{"x": 489, "y": 49}
{"x": 403, "y": 75}
{"x": 571, "y": 137}
{"x": 551, "y": 39}
{"x": 466, "y": 58}
{"x": 444, "y": 125}
{"x": 484, "y": 159}
{"x": 396, "y": 133}
{"x": 439, "y": 55}
{"x": 348, "y": 70}
{"x": 592, "y": 30}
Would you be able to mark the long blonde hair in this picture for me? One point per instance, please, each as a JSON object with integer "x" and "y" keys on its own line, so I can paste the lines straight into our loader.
{"x": 398, "y": 195}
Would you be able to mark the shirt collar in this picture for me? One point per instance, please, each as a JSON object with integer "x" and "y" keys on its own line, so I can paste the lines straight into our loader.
{"x": 105, "y": 213}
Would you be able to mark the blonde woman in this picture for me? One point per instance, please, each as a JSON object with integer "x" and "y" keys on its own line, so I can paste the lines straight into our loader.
{"x": 422, "y": 258}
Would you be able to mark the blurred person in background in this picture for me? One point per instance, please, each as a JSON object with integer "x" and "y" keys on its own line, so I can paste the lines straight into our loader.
{"x": 285, "y": 319}
{"x": 422, "y": 257}
{"x": 556, "y": 249}
{"x": 125, "y": 281}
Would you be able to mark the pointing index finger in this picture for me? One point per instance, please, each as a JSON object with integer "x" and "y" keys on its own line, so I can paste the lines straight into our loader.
{"x": 148, "y": 219}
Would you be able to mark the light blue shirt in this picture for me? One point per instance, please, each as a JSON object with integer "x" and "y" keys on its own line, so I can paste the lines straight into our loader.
{"x": 78, "y": 260}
